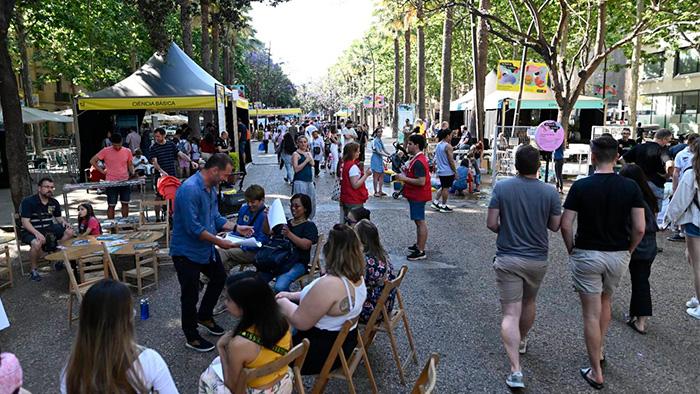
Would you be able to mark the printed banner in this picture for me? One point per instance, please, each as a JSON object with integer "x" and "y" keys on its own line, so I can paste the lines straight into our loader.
{"x": 378, "y": 101}
{"x": 508, "y": 76}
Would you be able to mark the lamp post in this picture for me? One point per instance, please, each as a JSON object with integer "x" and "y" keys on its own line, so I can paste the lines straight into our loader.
{"x": 374, "y": 87}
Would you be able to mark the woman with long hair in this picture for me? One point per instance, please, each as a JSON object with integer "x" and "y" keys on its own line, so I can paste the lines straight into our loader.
{"x": 320, "y": 309}
{"x": 261, "y": 336}
{"x": 87, "y": 222}
{"x": 303, "y": 163}
{"x": 287, "y": 149}
{"x": 378, "y": 268}
{"x": 334, "y": 140}
{"x": 105, "y": 357}
{"x": 353, "y": 192}
{"x": 377, "y": 162}
{"x": 684, "y": 210}
{"x": 643, "y": 256}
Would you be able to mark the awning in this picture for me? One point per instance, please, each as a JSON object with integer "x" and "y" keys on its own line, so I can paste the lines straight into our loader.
{"x": 34, "y": 115}
{"x": 275, "y": 111}
{"x": 242, "y": 103}
{"x": 151, "y": 103}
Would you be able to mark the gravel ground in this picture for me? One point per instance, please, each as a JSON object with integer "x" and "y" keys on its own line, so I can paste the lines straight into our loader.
{"x": 453, "y": 310}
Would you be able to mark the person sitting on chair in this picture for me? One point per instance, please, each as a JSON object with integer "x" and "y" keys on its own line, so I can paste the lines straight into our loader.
{"x": 40, "y": 216}
{"x": 252, "y": 221}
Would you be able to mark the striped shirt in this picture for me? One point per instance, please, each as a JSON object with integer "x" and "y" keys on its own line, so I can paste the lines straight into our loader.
{"x": 166, "y": 154}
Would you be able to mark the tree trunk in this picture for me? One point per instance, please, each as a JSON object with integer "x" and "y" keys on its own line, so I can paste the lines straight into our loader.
{"x": 407, "y": 99}
{"x": 206, "y": 49}
{"x": 12, "y": 113}
{"x": 215, "y": 50}
{"x": 481, "y": 68}
{"x": 186, "y": 24}
{"x": 227, "y": 64}
{"x": 446, "y": 79}
{"x": 563, "y": 115}
{"x": 420, "y": 86}
{"x": 636, "y": 62}
{"x": 34, "y": 130}
{"x": 397, "y": 87}
{"x": 232, "y": 53}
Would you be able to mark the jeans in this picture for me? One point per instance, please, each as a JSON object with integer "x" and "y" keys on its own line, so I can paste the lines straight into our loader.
{"x": 188, "y": 276}
{"x": 285, "y": 280}
{"x": 559, "y": 172}
{"x": 640, "y": 301}
{"x": 287, "y": 160}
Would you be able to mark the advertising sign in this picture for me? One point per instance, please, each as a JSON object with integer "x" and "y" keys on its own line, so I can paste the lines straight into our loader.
{"x": 509, "y": 72}
{"x": 378, "y": 101}
{"x": 549, "y": 135}
{"x": 405, "y": 112}
{"x": 220, "y": 107}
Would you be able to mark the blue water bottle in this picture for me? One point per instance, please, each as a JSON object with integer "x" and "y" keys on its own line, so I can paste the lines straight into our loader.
{"x": 144, "y": 309}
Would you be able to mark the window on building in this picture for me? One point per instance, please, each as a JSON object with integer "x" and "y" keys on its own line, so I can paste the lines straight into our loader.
{"x": 653, "y": 66}
{"x": 689, "y": 118}
{"x": 687, "y": 61}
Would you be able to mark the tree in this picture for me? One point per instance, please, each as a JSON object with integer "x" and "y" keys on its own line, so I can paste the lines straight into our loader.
{"x": 480, "y": 48}
{"x": 9, "y": 99}
{"x": 420, "y": 72}
{"x": 446, "y": 79}
{"x": 154, "y": 14}
{"x": 407, "y": 97}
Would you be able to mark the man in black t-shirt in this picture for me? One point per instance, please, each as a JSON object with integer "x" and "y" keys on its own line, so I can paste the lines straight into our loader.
{"x": 654, "y": 160}
{"x": 604, "y": 203}
{"x": 40, "y": 215}
{"x": 624, "y": 144}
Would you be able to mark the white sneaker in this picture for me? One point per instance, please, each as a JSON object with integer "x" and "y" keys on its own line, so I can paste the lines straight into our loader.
{"x": 515, "y": 380}
{"x": 693, "y": 303}
{"x": 522, "y": 349}
{"x": 694, "y": 312}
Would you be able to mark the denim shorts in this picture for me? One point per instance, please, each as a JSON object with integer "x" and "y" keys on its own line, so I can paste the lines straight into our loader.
{"x": 123, "y": 193}
{"x": 417, "y": 210}
{"x": 691, "y": 230}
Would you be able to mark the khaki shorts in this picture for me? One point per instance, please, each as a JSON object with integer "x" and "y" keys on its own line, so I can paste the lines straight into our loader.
{"x": 235, "y": 256}
{"x": 518, "y": 277}
{"x": 595, "y": 271}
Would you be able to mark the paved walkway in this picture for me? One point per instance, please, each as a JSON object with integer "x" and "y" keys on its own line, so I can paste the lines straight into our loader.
{"x": 453, "y": 311}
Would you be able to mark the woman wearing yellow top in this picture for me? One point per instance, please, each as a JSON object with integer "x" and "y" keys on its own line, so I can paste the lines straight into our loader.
{"x": 262, "y": 336}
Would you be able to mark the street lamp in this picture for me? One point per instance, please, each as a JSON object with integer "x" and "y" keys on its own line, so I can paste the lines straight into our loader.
{"x": 374, "y": 87}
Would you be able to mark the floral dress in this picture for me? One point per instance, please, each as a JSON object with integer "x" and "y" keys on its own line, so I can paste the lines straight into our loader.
{"x": 376, "y": 271}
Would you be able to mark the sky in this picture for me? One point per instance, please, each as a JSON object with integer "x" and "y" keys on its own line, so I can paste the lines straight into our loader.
{"x": 308, "y": 36}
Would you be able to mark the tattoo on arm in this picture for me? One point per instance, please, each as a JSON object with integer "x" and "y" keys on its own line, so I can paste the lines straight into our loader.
{"x": 344, "y": 305}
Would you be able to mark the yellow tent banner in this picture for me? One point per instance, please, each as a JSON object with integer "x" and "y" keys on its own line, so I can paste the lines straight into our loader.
{"x": 158, "y": 103}
{"x": 275, "y": 111}
{"x": 242, "y": 103}
{"x": 509, "y": 72}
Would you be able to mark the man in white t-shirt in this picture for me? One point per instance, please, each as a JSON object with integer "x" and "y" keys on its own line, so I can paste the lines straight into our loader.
{"x": 683, "y": 161}
{"x": 309, "y": 130}
{"x": 349, "y": 134}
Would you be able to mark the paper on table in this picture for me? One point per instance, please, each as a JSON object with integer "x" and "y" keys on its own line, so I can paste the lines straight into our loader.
{"x": 243, "y": 241}
{"x": 275, "y": 215}
{"x": 218, "y": 369}
{"x": 4, "y": 322}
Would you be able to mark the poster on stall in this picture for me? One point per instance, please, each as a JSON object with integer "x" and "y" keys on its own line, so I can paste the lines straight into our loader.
{"x": 378, "y": 101}
{"x": 508, "y": 76}
{"x": 220, "y": 106}
{"x": 405, "y": 112}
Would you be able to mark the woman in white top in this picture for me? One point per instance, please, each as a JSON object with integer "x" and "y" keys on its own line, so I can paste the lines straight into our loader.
{"x": 329, "y": 301}
{"x": 317, "y": 145}
{"x": 105, "y": 358}
{"x": 684, "y": 210}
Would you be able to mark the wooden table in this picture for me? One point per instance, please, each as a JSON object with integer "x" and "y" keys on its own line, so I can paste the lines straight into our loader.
{"x": 94, "y": 246}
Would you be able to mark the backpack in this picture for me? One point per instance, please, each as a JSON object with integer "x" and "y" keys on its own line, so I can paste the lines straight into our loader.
{"x": 182, "y": 146}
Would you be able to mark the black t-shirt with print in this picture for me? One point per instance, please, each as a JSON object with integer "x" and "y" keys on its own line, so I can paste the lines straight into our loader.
{"x": 603, "y": 203}
{"x": 40, "y": 216}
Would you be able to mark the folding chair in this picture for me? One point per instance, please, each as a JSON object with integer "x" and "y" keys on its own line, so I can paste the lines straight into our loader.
{"x": 347, "y": 365}
{"x": 145, "y": 225}
{"x": 297, "y": 356}
{"x": 79, "y": 290}
{"x": 17, "y": 227}
{"x": 90, "y": 267}
{"x": 314, "y": 265}
{"x": 428, "y": 377}
{"x": 146, "y": 266}
{"x": 389, "y": 322}
{"x": 6, "y": 269}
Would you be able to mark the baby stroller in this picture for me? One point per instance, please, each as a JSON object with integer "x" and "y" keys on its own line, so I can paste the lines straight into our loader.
{"x": 396, "y": 161}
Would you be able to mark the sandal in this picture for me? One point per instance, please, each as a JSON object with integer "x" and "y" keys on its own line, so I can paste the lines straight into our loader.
{"x": 633, "y": 324}
{"x": 377, "y": 195}
{"x": 584, "y": 373}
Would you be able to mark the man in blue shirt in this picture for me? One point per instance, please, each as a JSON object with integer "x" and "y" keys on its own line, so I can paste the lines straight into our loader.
{"x": 252, "y": 214}
{"x": 196, "y": 221}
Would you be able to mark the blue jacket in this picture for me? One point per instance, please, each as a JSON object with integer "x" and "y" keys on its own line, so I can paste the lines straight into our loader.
{"x": 245, "y": 218}
{"x": 461, "y": 180}
{"x": 196, "y": 210}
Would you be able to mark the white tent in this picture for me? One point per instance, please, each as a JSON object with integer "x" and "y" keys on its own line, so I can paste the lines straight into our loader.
{"x": 34, "y": 115}
{"x": 466, "y": 102}
{"x": 536, "y": 100}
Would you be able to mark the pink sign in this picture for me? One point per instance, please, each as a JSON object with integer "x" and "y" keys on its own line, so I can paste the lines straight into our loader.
{"x": 549, "y": 135}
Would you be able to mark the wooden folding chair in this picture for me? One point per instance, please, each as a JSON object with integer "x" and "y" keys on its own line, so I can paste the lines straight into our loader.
{"x": 90, "y": 267}
{"x": 297, "y": 356}
{"x": 428, "y": 377}
{"x": 389, "y": 322}
{"x": 164, "y": 226}
{"x": 79, "y": 290}
{"x": 17, "y": 227}
{"x": 347, "y": 365}
{"x": 314, "y": 265}
{"x": 6, "y": 269}
{"x": 146, "y": 268}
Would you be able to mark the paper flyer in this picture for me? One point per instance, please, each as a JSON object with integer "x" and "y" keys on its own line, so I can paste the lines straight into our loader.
{"x": 4, "y": 322}
{"x": 275, "y": 215}
{"x": 251, "y": 242}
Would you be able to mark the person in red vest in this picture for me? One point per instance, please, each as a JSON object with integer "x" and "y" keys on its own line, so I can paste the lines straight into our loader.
{"x": 417, "y": 190}
{"x": 353, "y": 192}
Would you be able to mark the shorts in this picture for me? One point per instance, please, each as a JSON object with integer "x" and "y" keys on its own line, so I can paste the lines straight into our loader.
{"x": 57, "y": 229}
{"x": 518, "y": 278}
{"x": 595, "y": 271}
{"x": 691, "y": 230}
{"x": 121, "y": 192}
{"x": 417, "y": 210}
{"x": 446, "y": 181}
